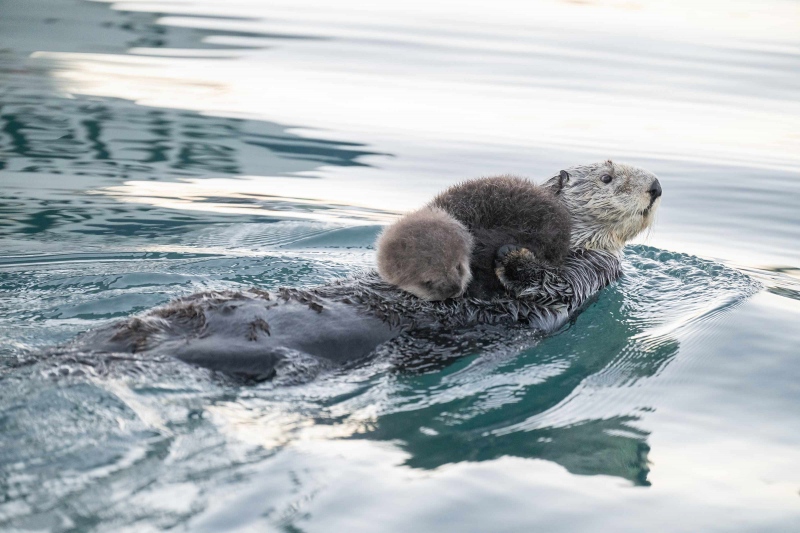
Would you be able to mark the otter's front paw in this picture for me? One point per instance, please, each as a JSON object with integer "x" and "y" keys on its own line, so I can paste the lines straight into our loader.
{"x": 510, "y": 262}
{"x": 509, "y": 249}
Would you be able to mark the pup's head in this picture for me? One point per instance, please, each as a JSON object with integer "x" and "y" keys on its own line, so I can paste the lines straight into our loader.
{"x": 609, "y": 203}
{"x": 426, "y": 253}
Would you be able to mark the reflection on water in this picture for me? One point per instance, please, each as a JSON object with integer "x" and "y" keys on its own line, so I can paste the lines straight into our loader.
{"x": 71, "y": 145}
{"x": 448, "y": 92}
{"x": 58, "y": 150}
{"x": 154, "y": 149}
{"x": 534, "y": 406}
{"x": 117, "y": 139}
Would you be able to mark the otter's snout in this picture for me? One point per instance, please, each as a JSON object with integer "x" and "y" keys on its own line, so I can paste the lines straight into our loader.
{"x": 655, "y": 190}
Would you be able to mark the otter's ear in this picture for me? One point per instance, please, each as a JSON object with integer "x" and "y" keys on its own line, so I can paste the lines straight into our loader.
{"x": 556, "y": 183}
{"x": 563, "y": 178}
{"x": 609, "y": 163}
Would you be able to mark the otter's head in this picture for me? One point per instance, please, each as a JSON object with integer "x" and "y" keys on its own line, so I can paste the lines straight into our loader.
{"x": 609, "y": 203}
{"x": 426, "y": 253}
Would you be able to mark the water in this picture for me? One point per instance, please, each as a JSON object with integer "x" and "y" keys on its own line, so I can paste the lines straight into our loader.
{"x": 154, "y": 149}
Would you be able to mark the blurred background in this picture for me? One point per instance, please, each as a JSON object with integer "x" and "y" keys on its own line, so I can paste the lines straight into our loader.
{"x": 150, "y": 149}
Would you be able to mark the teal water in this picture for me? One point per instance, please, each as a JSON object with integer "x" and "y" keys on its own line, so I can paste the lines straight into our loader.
{"x": 154, "y": 149}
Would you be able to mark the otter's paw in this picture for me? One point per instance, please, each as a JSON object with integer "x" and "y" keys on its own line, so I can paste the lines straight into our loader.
{"x": 510, "y": 264}
{"x": 509, "y": 249}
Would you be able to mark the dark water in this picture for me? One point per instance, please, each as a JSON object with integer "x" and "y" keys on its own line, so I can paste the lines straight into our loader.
{"x": 154, "y": 149}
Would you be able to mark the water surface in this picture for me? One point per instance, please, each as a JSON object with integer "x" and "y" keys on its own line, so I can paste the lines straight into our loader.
{"x": 154, "y": 149}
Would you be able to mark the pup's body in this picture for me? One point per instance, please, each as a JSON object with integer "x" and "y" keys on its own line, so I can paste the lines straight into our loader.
{"x": 507, "y": 211}
{"x": 419, "y": 252}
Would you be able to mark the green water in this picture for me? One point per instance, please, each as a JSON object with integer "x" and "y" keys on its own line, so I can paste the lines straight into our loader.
{"x": 154, "y": 149}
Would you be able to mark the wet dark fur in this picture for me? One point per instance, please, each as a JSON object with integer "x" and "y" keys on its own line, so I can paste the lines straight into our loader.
{"x": 506, "y": 210}
{"x": 254, "y": 333}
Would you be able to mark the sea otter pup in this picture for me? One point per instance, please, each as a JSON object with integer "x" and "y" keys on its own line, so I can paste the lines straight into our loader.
{"x": 253, "y": 333}
{"x": 504, "y": 212}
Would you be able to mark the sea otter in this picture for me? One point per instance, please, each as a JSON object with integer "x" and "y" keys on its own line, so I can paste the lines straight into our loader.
{"x": 503, "y": 212}
{"x": 253, "y": 333}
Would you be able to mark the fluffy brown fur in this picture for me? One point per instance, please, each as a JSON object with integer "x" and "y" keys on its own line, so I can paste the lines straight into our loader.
{"x": 507, "y": 210}
{"x": 427, "y": 254}
{"x": 521, "y": 231}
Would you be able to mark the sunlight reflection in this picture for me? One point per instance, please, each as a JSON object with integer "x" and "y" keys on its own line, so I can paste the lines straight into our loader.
{"x": 623, "y": 116}
{"x": 272, "y": 426}
{"x": 274, "y": 196}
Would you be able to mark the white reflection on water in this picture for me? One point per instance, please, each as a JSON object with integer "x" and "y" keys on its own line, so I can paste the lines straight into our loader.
{"x": 253, "y": 195}
{"x": 704, "y": 93}
{"x": 591, "y": 79}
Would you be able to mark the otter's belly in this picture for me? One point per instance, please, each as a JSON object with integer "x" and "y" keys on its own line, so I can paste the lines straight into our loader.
{"x": 245, "y": 334}
{"x": 252, "y": 338}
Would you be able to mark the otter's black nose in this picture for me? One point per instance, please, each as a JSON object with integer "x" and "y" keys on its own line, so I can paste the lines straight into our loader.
{"x": 655, "y": 190}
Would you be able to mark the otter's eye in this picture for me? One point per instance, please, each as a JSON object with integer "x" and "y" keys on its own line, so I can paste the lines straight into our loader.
{"x": 428, "y": 284}
{"x": 606, "y": 178}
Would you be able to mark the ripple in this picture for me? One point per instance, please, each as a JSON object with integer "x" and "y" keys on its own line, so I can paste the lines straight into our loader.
{"x": 489, "y": 395}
